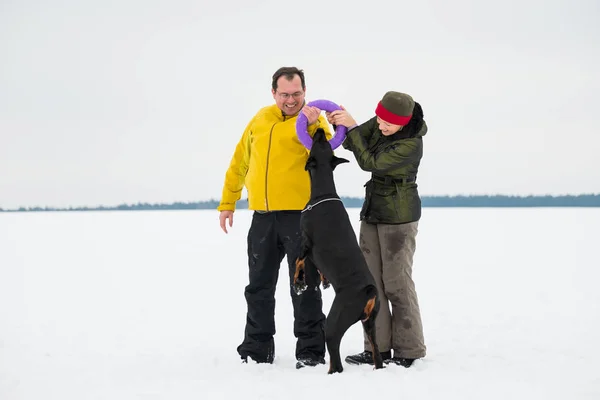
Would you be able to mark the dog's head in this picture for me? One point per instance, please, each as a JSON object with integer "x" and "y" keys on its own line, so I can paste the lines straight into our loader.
{"x": 321, "y": 153}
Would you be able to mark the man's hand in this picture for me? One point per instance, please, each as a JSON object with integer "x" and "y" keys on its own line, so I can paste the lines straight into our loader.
{"x": 311, "y": 113}
{"x": 223, "y": 217}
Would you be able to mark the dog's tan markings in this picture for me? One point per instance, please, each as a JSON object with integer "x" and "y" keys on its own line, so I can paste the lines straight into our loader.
{"x": 324, "y": 280}
{"x": 299, "y": 266}
{"x": 369, "y": 308}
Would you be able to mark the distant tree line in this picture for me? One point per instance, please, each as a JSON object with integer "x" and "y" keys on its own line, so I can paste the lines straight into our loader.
{"x": 584, "y": 200}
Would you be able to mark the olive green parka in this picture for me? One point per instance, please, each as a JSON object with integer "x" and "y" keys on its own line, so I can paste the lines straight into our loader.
{"x": 391, "y": 195}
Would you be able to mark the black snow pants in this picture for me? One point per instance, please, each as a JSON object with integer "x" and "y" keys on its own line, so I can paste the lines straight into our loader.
{"x": 272, "y": 236}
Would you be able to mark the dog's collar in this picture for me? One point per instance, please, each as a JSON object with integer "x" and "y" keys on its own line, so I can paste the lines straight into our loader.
{"x": 311, "y": 206}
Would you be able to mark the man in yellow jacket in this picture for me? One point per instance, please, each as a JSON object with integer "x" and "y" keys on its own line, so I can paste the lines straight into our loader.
{"x": 269, "y": 161}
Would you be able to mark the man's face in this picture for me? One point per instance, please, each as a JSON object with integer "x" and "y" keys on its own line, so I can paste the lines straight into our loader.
{"x": 289, "y": 95}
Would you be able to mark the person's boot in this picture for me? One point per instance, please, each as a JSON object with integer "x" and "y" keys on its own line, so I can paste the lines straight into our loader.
{"x": 309, "y": 359}
{"x": 256, "y": 360}
{"x": 405, "y": 362}
{"x": 309, "y": 362}
{"x": 260, "y": 353}
{"x": 366, "y": 357}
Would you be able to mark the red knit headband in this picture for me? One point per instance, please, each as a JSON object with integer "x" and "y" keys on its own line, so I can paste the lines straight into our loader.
{"x": 390, "y": 117}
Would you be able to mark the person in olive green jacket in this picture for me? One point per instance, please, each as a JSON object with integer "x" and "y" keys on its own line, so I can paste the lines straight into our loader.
{"x": 390, "y": 146}
{"x": 269, "y": 161}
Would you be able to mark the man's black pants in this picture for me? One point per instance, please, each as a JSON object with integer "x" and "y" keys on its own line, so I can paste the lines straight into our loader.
{"x": 272, "y": 236}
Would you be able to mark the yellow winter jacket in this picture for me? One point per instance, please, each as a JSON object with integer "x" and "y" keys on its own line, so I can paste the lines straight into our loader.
{"x": 269, "y": 160}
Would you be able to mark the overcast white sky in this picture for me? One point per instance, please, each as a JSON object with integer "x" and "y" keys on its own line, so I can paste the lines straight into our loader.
{"x": 120, "y": 101}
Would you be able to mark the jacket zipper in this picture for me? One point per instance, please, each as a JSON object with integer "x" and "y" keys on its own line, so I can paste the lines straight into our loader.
{"x": 267, "y": 167}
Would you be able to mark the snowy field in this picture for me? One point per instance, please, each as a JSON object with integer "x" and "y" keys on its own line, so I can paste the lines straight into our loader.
{"x": 149, "y": 305}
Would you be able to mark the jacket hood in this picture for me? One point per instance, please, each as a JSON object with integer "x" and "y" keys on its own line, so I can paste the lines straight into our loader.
{"x": 415, "y": 128}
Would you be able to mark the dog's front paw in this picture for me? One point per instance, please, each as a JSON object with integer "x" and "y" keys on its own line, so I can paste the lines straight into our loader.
{"x": 299, "y": 277}
{"x": 324, "y": 281}
{"x": 300, "y": 286}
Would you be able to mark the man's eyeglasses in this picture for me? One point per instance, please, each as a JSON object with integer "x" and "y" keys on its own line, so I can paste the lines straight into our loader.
{"x": 286, "y": 96}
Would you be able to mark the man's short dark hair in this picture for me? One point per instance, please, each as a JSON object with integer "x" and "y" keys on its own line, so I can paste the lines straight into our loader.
{"x": 289, "y": 73}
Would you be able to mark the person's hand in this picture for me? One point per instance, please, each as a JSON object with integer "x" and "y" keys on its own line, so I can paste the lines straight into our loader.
{"x": 223, "y": 217}
{"x": 329, "y": 118}
{"x": 311, "y": 113}
{"x": 341, "y": 117}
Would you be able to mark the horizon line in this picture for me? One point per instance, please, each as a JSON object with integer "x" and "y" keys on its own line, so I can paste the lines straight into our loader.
{"x": 352, "y": 198}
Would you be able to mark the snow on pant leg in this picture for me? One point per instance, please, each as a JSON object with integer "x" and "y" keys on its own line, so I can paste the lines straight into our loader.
{"x": 398, "y": 245}
{"x": 309, "y": 319}
{"x": 264, "y": 260}
{"x": 370, "y": 246}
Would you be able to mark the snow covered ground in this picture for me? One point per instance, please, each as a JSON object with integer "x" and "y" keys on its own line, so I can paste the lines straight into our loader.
{"x": 150, "y": 305}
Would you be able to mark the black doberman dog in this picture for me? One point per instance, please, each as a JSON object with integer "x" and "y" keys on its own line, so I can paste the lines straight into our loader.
{"x": 329, "y": 244}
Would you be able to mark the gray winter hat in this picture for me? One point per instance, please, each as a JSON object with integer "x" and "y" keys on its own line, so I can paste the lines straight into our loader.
{"x": 395, "y": 108}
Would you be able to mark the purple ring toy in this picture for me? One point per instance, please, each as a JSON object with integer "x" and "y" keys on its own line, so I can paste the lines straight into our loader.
{"x": 302, "y": 125}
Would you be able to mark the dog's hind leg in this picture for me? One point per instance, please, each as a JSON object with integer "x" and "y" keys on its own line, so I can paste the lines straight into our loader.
{"x": 345, "y": 311}
{"x": 370, "y": 311}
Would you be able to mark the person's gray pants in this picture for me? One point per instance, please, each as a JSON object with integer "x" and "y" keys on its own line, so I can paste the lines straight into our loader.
{"x": 389, "y": 251}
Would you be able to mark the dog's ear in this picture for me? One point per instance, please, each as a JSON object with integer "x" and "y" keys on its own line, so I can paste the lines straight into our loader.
{"x": 310, "y": 163}
{"x": 335, "y": 161}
